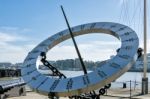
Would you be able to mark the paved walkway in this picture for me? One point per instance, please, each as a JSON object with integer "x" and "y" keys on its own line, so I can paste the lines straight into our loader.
{"x": 33, "y": 95}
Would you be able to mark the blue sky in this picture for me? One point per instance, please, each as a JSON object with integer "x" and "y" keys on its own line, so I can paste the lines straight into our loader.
{"x": 25, "y": 23}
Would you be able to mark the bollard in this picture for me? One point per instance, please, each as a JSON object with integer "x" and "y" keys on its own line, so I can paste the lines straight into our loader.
{"x": 124, "y": 85}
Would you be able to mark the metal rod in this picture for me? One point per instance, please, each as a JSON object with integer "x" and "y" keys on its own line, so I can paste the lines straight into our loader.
{"x": 74, "y": 42}
{"x": 130, "y": 89}
{"x": 145, "y": 79}
{"x": 145, "y": 38}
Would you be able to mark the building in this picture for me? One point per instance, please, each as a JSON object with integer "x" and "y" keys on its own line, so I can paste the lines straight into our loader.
{"x": 5, "y": 65}
{"x": 10, "y": 70}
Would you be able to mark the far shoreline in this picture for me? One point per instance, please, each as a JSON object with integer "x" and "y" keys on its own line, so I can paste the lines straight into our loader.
{"x": 138, "y": 70}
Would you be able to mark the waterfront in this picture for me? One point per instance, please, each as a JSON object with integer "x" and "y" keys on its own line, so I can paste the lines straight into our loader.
{"x": 114, "y": 92}
{"x": 134, "y": 77}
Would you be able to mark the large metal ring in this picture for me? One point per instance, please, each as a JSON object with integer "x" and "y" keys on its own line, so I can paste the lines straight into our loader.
{"x": 102, "y": 76}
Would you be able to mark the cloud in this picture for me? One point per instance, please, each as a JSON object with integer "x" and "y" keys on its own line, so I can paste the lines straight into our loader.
{"x": 90, "y": 50}
{"x": 13, "y": 34}
{"x": 95, "y": 51}
{"x": 14, "y": 53}
{"x": 4, "y": 37}
{"x": 7, "y": 29}
{"x": 13, "y": 46}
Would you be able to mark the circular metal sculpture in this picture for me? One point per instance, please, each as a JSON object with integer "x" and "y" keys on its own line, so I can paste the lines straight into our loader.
{"x": 102, "y": 76}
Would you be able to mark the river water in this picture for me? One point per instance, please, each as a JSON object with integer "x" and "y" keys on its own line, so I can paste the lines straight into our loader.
{"x": 134, "y": 78}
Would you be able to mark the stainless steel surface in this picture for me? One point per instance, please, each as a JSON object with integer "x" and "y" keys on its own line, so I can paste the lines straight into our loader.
{"x": 103, "y": 75}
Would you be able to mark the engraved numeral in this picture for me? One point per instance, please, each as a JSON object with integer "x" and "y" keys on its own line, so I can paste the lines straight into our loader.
{"x": 42, "y": 45}
{"x": 102, "y": 74}
{"x": 34, "y": 78}
{"x": 114, "y": 65}
{"x": 130, "y": 40}
{"x": 124, "y": 56}
{"x": 31, "y": 72}
{"x": 36, "y": 51}
{"x": 103, "y": 25}
{"x": 28, "y": 59}
{"x": 60, "y": 34}
{"x": 69, "y": 84}
{"x": 93, "y": 25}
{"x": 126, "y": 34}
{"x": 127, "y": 47}
{"x": 112, "y": 26}
{"x": 54, "y": 85}
{"x": 51, "y": 39}
{"x": 42, "y": 83}
{"x": 82, "y": 27}
{"x": 121, "y": 28}
{"x": 86, "y": 80}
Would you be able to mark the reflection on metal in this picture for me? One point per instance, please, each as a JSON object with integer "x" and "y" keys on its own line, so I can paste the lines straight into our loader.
{"x": 102, "y": 76}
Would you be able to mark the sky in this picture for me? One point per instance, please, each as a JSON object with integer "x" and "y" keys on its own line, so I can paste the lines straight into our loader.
{"x": 26, "y": 23}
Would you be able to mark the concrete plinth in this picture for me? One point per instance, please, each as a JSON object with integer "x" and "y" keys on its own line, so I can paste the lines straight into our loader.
{"x": 144, "y": 86}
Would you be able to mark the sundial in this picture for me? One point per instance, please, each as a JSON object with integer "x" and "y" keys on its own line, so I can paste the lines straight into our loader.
{"x": 88, "y": 82}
